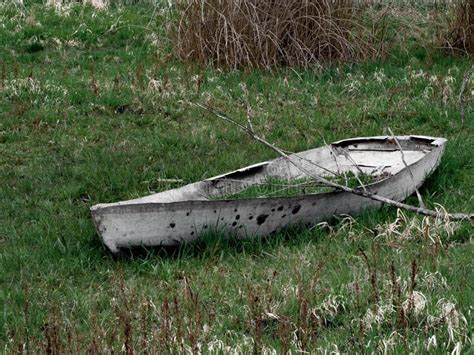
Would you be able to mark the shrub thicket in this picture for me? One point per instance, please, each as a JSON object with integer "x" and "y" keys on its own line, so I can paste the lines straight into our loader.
{"x": 270, "y": 33}
{"x": 461, "y": 36}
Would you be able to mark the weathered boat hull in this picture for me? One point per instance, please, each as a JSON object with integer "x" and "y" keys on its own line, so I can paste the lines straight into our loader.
{"x": 182, "y": 215}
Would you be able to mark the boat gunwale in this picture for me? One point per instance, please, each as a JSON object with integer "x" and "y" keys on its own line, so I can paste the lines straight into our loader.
{"x": 124, "y": 207}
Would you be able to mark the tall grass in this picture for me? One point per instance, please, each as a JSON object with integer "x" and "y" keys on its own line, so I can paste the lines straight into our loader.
{"x": 92, "y": 110}
{"x": 461, "y": 36}
{"x": 275, "y": 316}
{"x": 269, "y": 33}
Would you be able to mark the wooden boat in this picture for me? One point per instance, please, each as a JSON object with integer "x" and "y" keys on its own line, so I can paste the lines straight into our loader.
{"x": 181, "y": 215}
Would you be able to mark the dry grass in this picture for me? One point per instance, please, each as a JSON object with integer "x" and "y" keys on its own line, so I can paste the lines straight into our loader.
{"x": 98, "y": 4}
{"x": 270, "y": 33}
{"x": 383, "y": 293}
{"x": 76, "y": 109}
{"x": 461, "y": 34}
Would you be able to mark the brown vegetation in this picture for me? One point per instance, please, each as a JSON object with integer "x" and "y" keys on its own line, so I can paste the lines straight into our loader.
{"x": 270, "y": 33}
{"x": 288, "y": 317}
{"x": 461, "y": 36}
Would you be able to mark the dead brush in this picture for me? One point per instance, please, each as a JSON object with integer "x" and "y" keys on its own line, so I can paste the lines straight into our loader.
{"x": 406, "y": 229}
{"x": 122, "y": 305}
{"x": 270, "y": 33}
{"x": 460, "y": 37}
{"x": 372, "y": 269}
{"x": 52, "y": 333}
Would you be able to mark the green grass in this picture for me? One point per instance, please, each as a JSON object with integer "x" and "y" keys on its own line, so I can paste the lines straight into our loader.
{"x": 92, "y": 109}
{"x": 278, "y": 187}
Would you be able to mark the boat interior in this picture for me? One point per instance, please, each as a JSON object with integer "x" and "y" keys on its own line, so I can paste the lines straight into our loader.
{"x": 377, "y": 157}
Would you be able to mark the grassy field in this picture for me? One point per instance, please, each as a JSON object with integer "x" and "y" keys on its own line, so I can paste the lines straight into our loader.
{"x": 94, "y": 109}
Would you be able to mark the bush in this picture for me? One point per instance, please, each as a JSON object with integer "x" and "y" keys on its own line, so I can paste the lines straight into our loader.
{"x": 461, "y": 35}
{"x": 271, "y": 33}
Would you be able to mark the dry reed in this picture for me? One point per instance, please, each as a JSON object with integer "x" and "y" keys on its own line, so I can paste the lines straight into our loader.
{"x": 461, "y": 34}
{"x": 271, "y": 33}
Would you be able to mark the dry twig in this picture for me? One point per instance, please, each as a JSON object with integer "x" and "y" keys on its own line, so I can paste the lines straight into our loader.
{"x": 420, "y": 200}
{"x": 363, "y": 193}
{"x": 353, "y": 162}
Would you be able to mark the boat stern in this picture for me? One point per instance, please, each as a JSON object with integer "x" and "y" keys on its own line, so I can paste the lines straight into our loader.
{"x": 99, "y": 219}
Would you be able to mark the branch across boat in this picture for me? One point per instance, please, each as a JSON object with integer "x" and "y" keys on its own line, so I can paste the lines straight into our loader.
{"x": 364, "y": 193}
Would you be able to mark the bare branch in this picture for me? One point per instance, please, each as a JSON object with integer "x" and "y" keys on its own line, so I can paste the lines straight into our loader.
{"x": 354, "y": 163}
{"x": 169, "y": 180}
{"x": 420, "y": 200}
{"x": 363, "y": 193}
{"x": 249, "y": 130}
